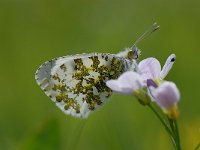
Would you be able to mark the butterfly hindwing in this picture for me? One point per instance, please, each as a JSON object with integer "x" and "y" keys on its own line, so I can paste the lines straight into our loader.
{"x": 77, "y": 83}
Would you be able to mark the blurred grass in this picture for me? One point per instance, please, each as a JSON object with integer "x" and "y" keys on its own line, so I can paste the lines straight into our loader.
{"x": 32, "y": 32}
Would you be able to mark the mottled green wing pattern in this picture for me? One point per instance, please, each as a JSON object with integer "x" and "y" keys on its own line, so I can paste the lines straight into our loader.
{"x": 77, "y": 83}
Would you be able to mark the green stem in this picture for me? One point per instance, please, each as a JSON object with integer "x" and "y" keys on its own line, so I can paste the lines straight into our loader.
{"x": 177, "y": 134}
{"x": 171, "y": 123}
{"x": 164, "y": 124}
{"x": 174, "y": 129}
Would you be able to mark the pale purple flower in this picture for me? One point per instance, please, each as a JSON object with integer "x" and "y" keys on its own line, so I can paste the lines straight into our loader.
{"x": 150, "y": 68}
{"x": 149, "y": 76}
{"x": 127, "y": 83}
{"x": 166, "y": 95}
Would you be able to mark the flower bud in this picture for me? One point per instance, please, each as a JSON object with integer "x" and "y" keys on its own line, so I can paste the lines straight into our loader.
{"x": 166, "y": 95}
{"x": 142, "y": 97}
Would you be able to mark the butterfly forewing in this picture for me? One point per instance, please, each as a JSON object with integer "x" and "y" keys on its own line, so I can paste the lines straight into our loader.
{"x": 77, "y": 83}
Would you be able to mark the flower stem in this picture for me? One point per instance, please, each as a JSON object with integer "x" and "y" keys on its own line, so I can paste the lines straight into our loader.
{"x": 177, "y": 134}
{"x": 171, "y": 134}
{"x": 174, "y": 128}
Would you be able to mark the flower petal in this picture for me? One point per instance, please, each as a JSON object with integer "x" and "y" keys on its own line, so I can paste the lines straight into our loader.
{"x": 166, "y": 95}
{"x": 149, "y": 68}
{"x": 131, "y": 80}
{"x": 114, "y": 85}
{"x": 168, "y": 65}
{"x": 150, "y": 83}
{"x": 127, "y": 83}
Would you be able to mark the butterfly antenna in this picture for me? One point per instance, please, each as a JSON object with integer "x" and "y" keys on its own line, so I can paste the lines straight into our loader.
{"x": 148, "y": 32}
{"x": 134, "y": 52}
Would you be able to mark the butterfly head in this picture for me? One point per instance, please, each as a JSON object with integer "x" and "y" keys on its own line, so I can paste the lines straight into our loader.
{"x": 133, "y": 53}
{"x": 130, "y": 53}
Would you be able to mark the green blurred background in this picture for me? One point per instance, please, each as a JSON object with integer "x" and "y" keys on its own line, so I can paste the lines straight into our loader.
{"x": 33, "y": 31}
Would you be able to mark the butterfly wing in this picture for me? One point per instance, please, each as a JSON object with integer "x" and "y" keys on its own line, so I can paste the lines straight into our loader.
{"x": 77, "y": 83}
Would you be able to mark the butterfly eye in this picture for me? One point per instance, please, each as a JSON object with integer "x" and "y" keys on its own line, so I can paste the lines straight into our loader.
{"x": 136, "y": 52}
{"x": 130, "y": 55}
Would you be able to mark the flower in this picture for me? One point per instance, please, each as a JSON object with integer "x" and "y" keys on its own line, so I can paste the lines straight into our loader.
{"x": 145, "y": 84}
{"x": 130, "y": 83}
{"x": 166, "y": 96}
{"x": 150, "y": 68}
{"x": 127, "y": 83}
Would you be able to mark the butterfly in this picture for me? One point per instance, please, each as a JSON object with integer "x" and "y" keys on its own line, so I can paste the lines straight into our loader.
{"x": 77, "y": 83}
